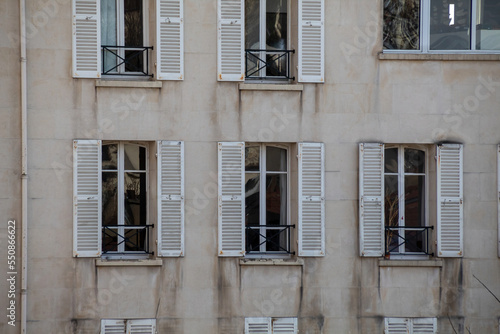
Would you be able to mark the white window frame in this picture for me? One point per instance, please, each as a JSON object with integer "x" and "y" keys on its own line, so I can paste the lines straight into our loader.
{"x": 401, "y": 204}
{"x": 262, "y": 200}
{"x": 424, "y": 34}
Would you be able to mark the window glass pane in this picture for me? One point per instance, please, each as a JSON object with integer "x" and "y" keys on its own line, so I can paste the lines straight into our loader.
{"x": 110, "y": 157}
{"x": 133, "y": 22}
{"x": 392, "y": 238}
{"x": 252, "y": 157}
{"x": 450, "y": 25}
{"x": 109, "y": 198}
{"x": 401, "y": 24}
{"x": 252, "y": 24}
{"x": 414, "y": 213}
{"x": 252, "y": 211}
{"x": 108, "y": 34}
{"x": 276, "y": 199}
{"x": 135, "y": 240}
{"x": 391, "y": 160}
{"x": 135, "y": 199}
{"x": 414, "y": 161}
{"x": 276, "y": 24}
{"x": 488, "y": 25}
{"x": 135, "y": 157}
{"x": 275, "y": 159}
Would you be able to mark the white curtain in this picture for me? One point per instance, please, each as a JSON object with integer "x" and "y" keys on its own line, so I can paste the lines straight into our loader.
{"x": 108, "y": 31}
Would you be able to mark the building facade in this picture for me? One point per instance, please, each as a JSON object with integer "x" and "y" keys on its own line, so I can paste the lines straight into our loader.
{"x": 246, "y": 166}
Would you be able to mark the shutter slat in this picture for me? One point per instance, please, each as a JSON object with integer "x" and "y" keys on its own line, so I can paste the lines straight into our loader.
{"x": 231, "y": 200}
{"x": 170, "y": 39}
{"x": 258, "y": 326}
{"x": 450, "y": 200}
{"x": 498, "y": 188}
{"x": 86, "y": 39}
{"x": 230, "y": 40}
{"x": 284, "y": 325}
{"x": 141, "y": 326}
{"x": 170, "y": 198}
{"x": 311, "y": 41}
{"x": 311, "y": 232}
{"x": 371, "y": 201}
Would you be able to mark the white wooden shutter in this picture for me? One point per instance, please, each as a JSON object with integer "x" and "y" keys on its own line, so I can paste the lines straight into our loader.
{"x": 371, "y": 199}
{"x": 87, "y": 198}
{"x": 231, "y": 201}
{"x": 397, "y": 326}
{"x": 423, "y": 326}
{"x": 498, "y": 188}
{"x": 86, "y": 38}
{"x": 113, "y": 326}
{"x": 170, "y": 39}
{"x": 311, "y": 233}
{"x": 170, "y": 198}
{"x": 258, "y": 326}
{"x": 311, "y": 41}
{"x": 230, "y": 40}
{"x": 450, "y": 200}
{"x": 141, "y": 326}
{"x": 284, "y": 326}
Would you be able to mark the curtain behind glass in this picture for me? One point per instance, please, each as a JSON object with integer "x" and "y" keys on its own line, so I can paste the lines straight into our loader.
{"x": 108, "y": 32}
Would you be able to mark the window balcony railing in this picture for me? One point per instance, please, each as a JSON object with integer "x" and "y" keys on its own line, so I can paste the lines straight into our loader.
{"x": 268, "y": 64}
{"x": 126, "y": 60}
{"x": 134, "y": 238}
{"x": 415, "y": 240}
{"x": 275, "y": 238}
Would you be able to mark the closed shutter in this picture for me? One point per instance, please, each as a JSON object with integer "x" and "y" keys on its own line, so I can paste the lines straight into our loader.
{"x": 170, "y": 198}
{"x": 424, "y": 325}
{"x": 230, "y": 40}
{"x": 112, "y": 326}
{"x": 311, "y": 41}
{"x": 397, "y": 326}
{"x": 450, "y": 200}
{"x": 170, "y": 40}
{"x": 231, "y": 198}
{"x": 371, "y": 199}
{"x": 87, "y": 198}
{"x": 284, "y": 326}
{"x": 141, "y": 326}
{"x": 311, "y": 200}
{"x": 258, "y": 326}
{"x": 86, "y": 38}
{"x": 498, "y": 181}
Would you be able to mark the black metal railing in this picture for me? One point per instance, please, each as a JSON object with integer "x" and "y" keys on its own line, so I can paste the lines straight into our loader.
{"x": 414, "y": 239}
{"x": 268, "y": 64}
{"x": 135, "y": 239}
{"x": 276, "y": 239}
{"x": 125, "y": 60}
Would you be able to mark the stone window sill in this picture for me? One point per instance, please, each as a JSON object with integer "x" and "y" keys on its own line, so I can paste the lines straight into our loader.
{"x": 271, "y": 87}
{"x": 271, "y": 262}
{"x": 410, "y": 263}
{"x": 440, "y": 56}
{"x": 128, "y": 263}
{"x": 128, "y": 84}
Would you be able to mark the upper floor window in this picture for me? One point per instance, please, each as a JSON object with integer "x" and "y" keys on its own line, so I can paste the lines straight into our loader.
{"x": 442, "y": 25}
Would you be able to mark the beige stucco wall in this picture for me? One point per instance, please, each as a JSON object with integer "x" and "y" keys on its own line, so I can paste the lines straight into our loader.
{"x": 363, "y": 99}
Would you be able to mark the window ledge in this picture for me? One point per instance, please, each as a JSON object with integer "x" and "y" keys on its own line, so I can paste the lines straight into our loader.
{"x": 410, "y": 263}
{"x": 272, "y": 87}
{"x": 128, "y": 263}
{"x": 440, "y": 56}
{"x": 128, "y": 84}
{"x": 270, "y": 262}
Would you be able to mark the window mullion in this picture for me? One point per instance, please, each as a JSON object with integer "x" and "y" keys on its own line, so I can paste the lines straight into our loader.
{"x": 425, "y": 22}
{"x": 120, "y": 31}
{"x": 401, "y": 194}
{"x": 262, "y": 199}
{"x": 473, "y": 25}
{"x": 262, "y": 36}
{"x": 121, "y": 193}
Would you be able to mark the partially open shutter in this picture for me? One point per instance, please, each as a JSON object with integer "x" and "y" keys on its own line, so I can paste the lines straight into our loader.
{"x": 397, "y": 326}
{"x": 86, "y": 38}
{"x": 231, "y": 201}
{"x": 450, "y": 200}
{"x": 284, "y": 326}
{"x": 113, "y": 326}
{"x": 311, "y": 41}
{"x": 311, "y": 233}
{"x": 371, "y": 199}
{"x": 170, "y": 40}
{"x": 141, "y": 326}
{"x": 170, "y": 198}
{"x": 258, "y": 326}
{"x": 230, "y": 40}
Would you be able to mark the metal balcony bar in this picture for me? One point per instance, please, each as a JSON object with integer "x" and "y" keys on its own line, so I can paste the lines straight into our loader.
{"x": 126, "y": 58}
{"x": 133, "y": 237}
{"x": 398, "y": 236}
{"x": 279, "y": 229}
{"x": 274, "y": 69}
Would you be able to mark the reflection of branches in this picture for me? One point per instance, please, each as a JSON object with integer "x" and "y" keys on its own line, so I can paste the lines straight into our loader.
{"x": 391, "y": 217}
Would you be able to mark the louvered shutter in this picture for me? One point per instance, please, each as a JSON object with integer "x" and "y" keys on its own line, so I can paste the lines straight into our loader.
{"x": 230, "y": 40}
{"x": 258, "y": 326}
{"x": 371, "y": 199}
{"x": 231, "y": 199}
{"x": 87, "y": 198}
{"x": 141, "y": 326}
{"x": 311, "y": 41}
{"x": 311, "y": 232}
{"x": 170, "y": 39}
{"x": 424, "y": 325}
{"x": 450, "y": 200}
{"x": 397, "y": 326}
{"x": 86, "y": 38}
{"x": 498, "y": 181}
{"x": 170, "y": 198}
{"x": 112, "y": 326}
{"x": 284, "y": 326}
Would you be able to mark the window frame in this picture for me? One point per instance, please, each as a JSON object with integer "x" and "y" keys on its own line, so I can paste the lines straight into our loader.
{"x": 424, "y": 34}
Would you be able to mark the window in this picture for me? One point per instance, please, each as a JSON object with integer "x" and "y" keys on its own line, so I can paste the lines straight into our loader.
{"x": 442, "y": 25}
{"x": 112, "y": 207}
{"x": 132, "y": 326}
{"x": 110, "y": 37}
{"x": 410, "y": 325}
{"x": 254, "y": 201}
{"x": 254, "y": 37}
{"x": 393, "y": 204}
{"x": 271, "y": 325}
